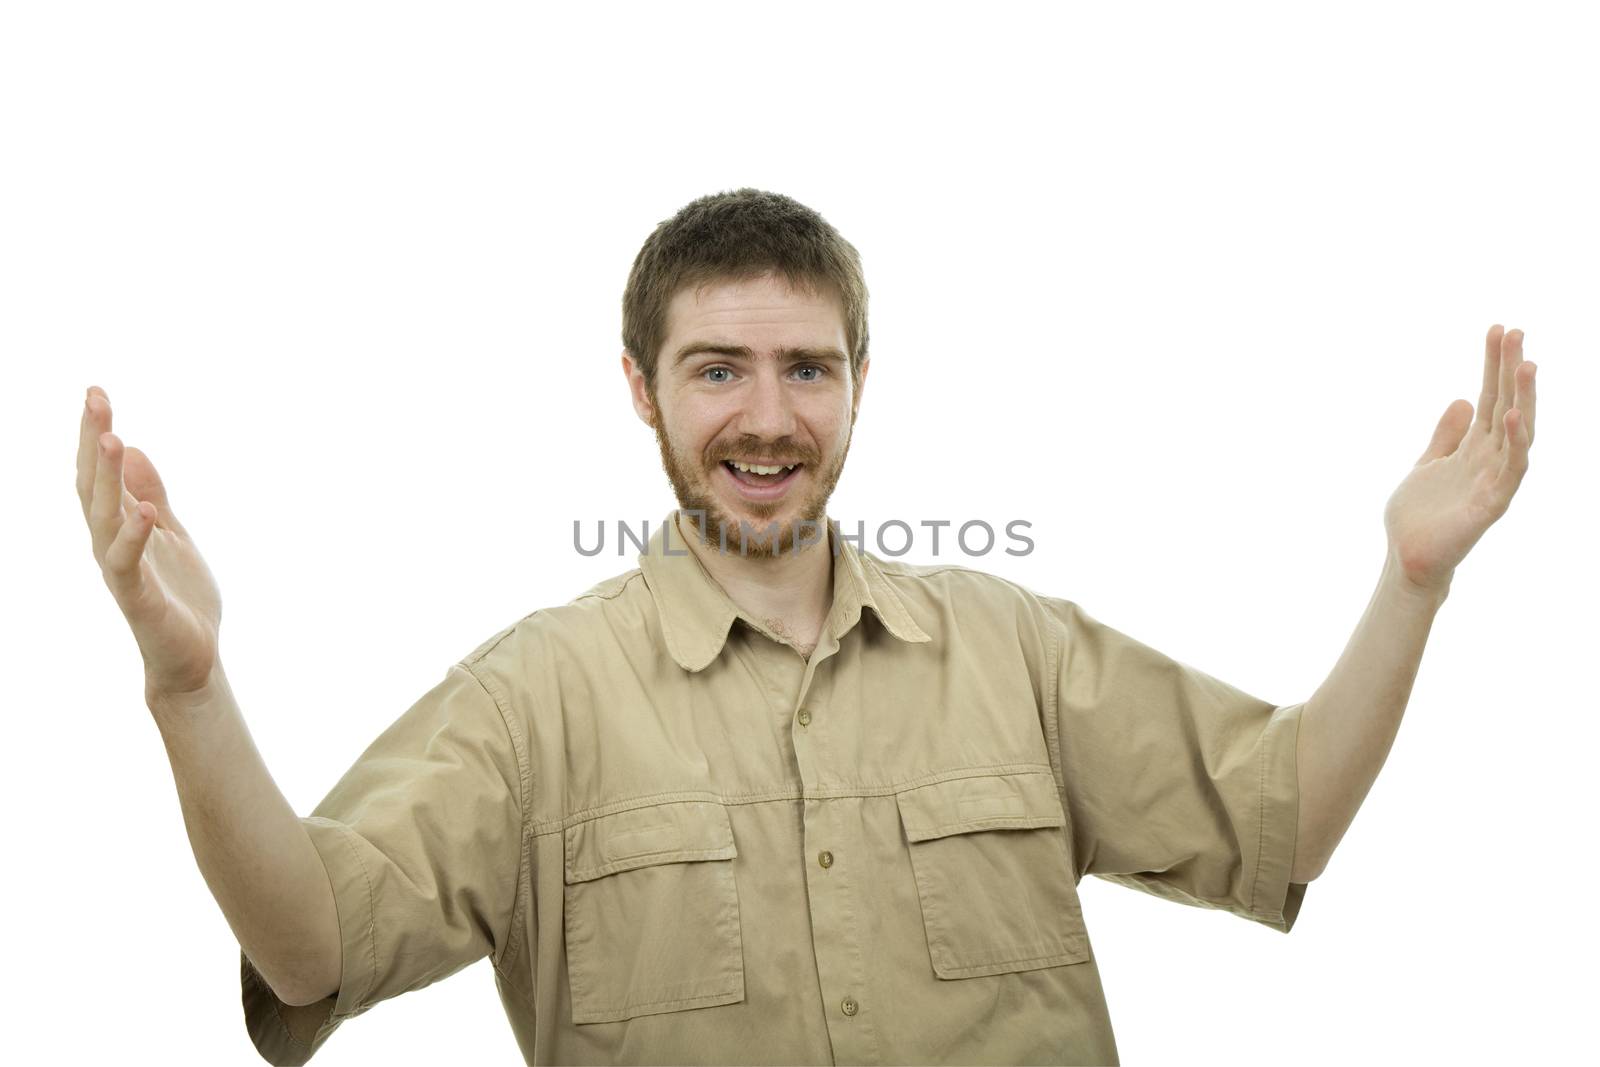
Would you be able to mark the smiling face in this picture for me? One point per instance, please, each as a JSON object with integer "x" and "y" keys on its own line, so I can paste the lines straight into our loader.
{"x": 753, "y": 373}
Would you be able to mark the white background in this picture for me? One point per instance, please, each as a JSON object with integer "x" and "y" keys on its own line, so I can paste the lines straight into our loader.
{"x": 1186, "y": 288}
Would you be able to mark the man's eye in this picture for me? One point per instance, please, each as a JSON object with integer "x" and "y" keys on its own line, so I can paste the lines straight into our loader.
{"x": 816, "y": 372}
{"x": 715, "y": 370}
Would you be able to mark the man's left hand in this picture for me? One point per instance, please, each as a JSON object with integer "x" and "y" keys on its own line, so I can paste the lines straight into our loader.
{"x": 1469, "y": 473}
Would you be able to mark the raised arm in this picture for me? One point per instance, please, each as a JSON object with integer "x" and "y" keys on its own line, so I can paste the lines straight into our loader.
{"x": 254, "y": 853}
{"x": 1462, "y": 484}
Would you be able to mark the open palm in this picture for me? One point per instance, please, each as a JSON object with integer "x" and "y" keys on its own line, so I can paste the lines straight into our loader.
{"x": 1470, "y": 471}
{"x": 149, "y": 562}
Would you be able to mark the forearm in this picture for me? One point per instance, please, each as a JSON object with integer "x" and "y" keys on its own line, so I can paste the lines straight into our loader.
{"x": 1350, "y": 722}
{"x": 252, "y": 850}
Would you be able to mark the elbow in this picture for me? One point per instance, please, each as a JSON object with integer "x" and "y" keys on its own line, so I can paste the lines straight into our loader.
{"x": 310, "y": 985}
{"x": 1307, "y": 868}
{"x": 299, "y": 997}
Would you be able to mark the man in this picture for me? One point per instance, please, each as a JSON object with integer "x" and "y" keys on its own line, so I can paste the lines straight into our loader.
{"x": 780, "y": 801}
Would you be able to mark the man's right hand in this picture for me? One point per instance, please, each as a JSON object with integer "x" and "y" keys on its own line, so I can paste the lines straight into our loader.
{"x": 149, "y": 563}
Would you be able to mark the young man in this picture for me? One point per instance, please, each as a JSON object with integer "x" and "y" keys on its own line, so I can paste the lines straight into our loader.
{"x": 780, "y": 801}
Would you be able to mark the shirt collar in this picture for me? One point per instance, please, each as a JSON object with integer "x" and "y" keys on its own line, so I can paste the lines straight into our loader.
{"x": 696, "y": 613}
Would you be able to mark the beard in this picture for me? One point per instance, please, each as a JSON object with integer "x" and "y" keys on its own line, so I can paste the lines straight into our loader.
{"x": 691, "y": 484}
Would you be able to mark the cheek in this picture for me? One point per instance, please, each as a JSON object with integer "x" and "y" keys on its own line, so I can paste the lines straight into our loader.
{"x": 692, "y": 430}
{"x": 696, "y": 407}
{"x": 826, "y": 421}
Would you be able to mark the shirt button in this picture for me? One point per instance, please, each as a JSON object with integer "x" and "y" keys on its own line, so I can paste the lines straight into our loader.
{"x": 805, "y": 717}
{"x": 849, "y": 1006}
{"x": 825, "y": 858}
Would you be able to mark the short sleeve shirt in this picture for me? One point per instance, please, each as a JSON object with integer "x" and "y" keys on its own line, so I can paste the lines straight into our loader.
{"x": 679, "y": 840}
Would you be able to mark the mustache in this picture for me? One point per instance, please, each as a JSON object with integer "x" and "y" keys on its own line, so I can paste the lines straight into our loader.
{"x": 775, "y": 454}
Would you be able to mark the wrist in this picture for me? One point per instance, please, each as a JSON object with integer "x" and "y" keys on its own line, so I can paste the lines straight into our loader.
{"x": 1400, "y": 585}
{"x": 168, "y": 706}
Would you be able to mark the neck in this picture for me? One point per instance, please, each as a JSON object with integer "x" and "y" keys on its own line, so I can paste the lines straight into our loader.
{"x": 790, "y": 593}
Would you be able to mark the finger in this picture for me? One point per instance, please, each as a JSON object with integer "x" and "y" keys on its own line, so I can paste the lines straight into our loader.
{"x": 145, "y": 483}
{"x": 1453, "y": 425}
{"x": 105, "y": 506}
{"x": 96, "y": 420}
{"x": 1525, "y": 397}
{"x": 1510, "y": 358}
{"x": 1516, "y": 462}
{"x": 122, "y": 564}
{"x": 1491, "y": 378}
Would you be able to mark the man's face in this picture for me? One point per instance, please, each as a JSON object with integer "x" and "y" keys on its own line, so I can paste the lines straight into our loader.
{"x": 757, "y": 374}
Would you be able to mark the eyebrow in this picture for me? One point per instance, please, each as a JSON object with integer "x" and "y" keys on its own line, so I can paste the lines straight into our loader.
{"x": 819, "y": 355}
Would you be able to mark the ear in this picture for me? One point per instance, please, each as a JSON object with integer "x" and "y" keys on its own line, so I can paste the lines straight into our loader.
{"x": 638, "y": 389}
{"x": 861, "y": 387}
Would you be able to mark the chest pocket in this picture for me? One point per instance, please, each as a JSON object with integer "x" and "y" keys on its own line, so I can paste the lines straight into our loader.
{"x": 990, "y": 858}
{"x": 652, "y": 912}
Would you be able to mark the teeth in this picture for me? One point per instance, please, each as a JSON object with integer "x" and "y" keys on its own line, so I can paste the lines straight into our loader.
{"x": 756, "y": 468}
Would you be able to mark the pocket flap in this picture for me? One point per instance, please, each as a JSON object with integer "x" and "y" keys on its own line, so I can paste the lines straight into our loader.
{"x": 642, "y": 837}
{"x": 985, "y": 802}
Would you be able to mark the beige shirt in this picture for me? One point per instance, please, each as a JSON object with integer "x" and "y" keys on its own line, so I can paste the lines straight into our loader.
{"x": 680, "y": 841}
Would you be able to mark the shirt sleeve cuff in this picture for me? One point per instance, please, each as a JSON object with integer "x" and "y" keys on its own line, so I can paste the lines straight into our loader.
{"x": 1274, "y": 899}
{"x": 288, "y": 1034}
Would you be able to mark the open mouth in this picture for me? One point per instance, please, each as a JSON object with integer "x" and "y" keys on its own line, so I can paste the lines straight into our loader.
{"x": 761, "y": 481}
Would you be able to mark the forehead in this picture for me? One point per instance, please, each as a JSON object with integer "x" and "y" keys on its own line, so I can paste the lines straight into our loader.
{"x": 763, "y": 306}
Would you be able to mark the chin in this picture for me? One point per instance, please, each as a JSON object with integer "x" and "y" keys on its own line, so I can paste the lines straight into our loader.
{"x": 787, "y": 518}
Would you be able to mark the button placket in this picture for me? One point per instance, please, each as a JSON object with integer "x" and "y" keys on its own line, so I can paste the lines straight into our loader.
{"x": 832, "y": 897}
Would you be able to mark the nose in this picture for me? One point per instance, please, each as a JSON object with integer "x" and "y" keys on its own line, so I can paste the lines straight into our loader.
{"x": 769, "y": 410}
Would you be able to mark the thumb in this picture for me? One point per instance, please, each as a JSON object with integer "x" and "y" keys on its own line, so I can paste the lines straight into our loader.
{"x": 141, "y": 479}
{"x": 1448, "y": 434}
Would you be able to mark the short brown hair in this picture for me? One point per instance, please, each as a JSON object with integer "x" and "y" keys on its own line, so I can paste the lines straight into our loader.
{"x": 736, "y": 236}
